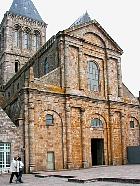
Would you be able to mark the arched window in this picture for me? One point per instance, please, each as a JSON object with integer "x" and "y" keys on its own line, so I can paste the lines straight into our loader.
{"x": 49, "y": 119}
{"x": 132, "y": 123}
{"x": 26, "y": 40}
{"x": 93, "y": 76}
{"x": 36, "y": 40}
{"x": 17, "y": 36}
{"x": 96, "y": 123}
{"x": 46, "y": 67}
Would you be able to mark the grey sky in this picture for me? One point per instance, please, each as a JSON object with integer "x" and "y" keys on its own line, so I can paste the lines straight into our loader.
{"x": 120, "y": 18}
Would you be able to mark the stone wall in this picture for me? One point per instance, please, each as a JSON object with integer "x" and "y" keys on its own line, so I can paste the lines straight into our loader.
{"x": 9, "y": 133}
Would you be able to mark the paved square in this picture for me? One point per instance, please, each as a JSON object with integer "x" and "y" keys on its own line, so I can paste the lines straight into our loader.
{"x": 126, "y": 171}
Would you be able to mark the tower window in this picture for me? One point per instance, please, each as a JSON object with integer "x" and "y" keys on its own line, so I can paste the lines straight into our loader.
{"x": 16, "y": 66}
{"x": 17, "y": 35}
{"x": 17, "y": 38}
{"x": 93, "y": 76}
{"x": 26, "y": 40}
{"x": 36, "y": 40}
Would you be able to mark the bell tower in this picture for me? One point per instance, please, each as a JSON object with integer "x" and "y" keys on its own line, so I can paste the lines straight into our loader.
{"x": 22, "y": 33}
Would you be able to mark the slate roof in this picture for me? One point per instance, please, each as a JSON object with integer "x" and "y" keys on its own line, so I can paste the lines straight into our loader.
{"x": 81, "y": 20}
{"x": 25, "y": 8}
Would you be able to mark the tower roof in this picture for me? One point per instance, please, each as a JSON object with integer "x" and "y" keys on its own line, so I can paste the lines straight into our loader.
{"x": 83, "y": 19}
{"x": 25, "y": 8}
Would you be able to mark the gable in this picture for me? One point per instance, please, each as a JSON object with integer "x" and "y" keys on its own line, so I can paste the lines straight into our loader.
{"x": 94, "y": 39}
{"x": 93, "y": 32}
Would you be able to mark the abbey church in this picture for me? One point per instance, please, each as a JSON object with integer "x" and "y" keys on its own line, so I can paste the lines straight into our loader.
{"x": 63, "y": 104}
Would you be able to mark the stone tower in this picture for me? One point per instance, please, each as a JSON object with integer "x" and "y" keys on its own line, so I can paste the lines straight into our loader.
{"x": 22, "y": 33}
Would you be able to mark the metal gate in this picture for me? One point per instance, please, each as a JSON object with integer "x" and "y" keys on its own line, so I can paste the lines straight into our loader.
{"x": 133, "y": 155}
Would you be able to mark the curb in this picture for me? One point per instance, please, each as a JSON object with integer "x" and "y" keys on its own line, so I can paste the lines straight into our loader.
{"x": 120, "y": 180}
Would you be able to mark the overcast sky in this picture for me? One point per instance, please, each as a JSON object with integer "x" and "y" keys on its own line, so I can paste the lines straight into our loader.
{"x": 120, "y": 18}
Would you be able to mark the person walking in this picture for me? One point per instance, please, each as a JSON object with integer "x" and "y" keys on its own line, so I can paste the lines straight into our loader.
{"x": 20, "y": 167}
{"x": 13, "y": 169}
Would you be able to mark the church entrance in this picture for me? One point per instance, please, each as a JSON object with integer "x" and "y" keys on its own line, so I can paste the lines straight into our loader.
{"x": 97, "y": 151}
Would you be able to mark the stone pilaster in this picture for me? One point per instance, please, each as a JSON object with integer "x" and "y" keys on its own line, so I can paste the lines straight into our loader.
{"x": 61, "y": 61}
{"x": 68, "y": 136}
{"x": 26, "y": 131}
{"x": 83, "y": 138}
{"x": 110, "y": 126}
{"x": 124, "y": 140}
{"x": 66, "y": 68}
{"x": 22, "y": 147}
{"x": 120, "y": 91}
{"x": 81, "y": 70}
{"x": 31, "y": 137}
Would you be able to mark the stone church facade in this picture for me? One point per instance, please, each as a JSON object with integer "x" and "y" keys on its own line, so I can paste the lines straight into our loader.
{"x": 65, "y": 97}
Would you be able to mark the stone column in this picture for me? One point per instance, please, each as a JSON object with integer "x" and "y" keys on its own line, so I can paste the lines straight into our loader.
{"x": 68, "y": 137}
{"x": 83, "y": 138}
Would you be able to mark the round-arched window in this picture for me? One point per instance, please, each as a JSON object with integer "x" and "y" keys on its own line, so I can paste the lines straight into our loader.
{"x": 96, "y": 123}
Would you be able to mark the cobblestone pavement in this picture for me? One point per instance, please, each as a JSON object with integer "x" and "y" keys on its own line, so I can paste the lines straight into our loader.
{"x": 128, "y": 171}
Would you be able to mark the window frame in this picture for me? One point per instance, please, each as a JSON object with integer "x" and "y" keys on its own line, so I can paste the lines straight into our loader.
{"x": 36, "y": 41}
{"x": 99, "y": 123}
{"x": 49, "y": 119}
{"x": 93, "y": 76}
{"x": 17, "y": 66}
{"x": 5, "y": 156}
{"x": 17, "y": 38}
{"x": 25, "y": 40}
{"x": 132, "y": 124}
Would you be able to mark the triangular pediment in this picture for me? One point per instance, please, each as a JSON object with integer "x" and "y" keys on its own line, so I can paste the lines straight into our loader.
{"x": 94, "y": 33}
